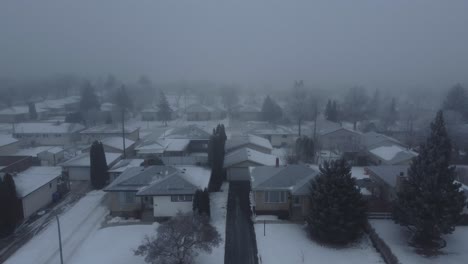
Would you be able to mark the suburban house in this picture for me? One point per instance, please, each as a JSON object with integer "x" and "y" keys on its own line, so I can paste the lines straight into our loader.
{"x": 237, "y": 163}
{"x": 373, "y": 139}
{"x": 60, "y": 106}
{"x": 36, "y": 187}
{"x": 152, "y": 114}
{"x": 391, "y": 155}
{"x": 8, "y": 145}
{"x": 386, "y": 181}
{"x": 282, "y": 190}
{"x": 78, "y": 168}
{"x": 44, "y": 155}
{"x": 199, "y": 112}
{"x": 247, "y": 113}
{"x": 151, "y": 148}
{"x": 248, "y": 141}
{"x": 101, "y": 132}
{"x": 53, "y": 134}
{"x": 115, "y": 145}
{"x": 279, "y": 136}
{"x": 123, "y": 165}
{"x": 155, "y": 192}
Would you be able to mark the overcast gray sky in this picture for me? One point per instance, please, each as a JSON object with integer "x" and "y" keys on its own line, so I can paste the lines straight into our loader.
{"x": 378, "y": 43}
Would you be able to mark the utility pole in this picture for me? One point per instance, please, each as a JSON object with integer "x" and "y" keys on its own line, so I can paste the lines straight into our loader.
{"x": 60, "y": 239}
{"x": 123, "y": 130}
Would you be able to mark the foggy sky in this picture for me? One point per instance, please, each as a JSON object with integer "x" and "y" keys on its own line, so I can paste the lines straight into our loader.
{"x": 372, "y": 43}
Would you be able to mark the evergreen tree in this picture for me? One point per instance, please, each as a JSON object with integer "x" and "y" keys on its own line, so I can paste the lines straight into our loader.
{"x": 216, "y": 153}
{"x": 457, "y": 100}
{"x": 337, "y": 209}
{"x": 165, "y": 111}
{"x": 373, "y": 108}
{"x": 271, "y": 111}
{"x": 391, "y": 114}
{"x": 328, "y": 111}
{"x": 201, "y": 202}
{"x": 429, "y": 202}
{"x": 89, "y": 99}
{"x": 32, "y": 111}
{"x": 122, "y": 100}
{"x": 10, "y": 206}
{"x": 305, "y": 149}
{"x": 335, "y": 112}
{"x": 98, "y": 170}
{"x": 75, "y": 117}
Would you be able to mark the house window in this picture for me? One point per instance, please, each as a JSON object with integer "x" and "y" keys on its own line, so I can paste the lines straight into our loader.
{"x": 181, "y": 198}
{"x": 275, "y": 197}
{"x": 127, "y": 197}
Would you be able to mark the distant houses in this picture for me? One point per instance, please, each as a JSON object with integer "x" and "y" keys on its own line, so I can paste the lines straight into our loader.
{"x": 52, "y": 134}
{"x": 199, "y": 112}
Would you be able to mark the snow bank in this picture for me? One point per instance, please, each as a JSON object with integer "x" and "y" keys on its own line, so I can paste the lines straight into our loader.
{"x": 289, "y": 243}
{"x": 396, "y": 238}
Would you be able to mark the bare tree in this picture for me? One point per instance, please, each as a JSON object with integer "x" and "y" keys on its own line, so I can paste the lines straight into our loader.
{"x": 179, "y": 239}
{"x": 355, "y": 105}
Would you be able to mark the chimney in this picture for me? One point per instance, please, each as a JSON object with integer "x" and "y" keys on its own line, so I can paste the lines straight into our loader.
{"x": 277, "y": 162}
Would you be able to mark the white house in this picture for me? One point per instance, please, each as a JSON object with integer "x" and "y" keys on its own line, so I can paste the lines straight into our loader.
{"x": 52, "y": 134}
{"x": 156, "y": 192}
{"x": 46, "y": 155}
{"x": 36, "y": 187}
{"x": 8, "y": 145}
{"x": 78, "y": 168}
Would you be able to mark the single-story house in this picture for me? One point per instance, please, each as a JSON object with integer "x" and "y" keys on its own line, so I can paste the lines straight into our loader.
{"x": 78, "y": 168}
{"x": 340, "y": 139}
{"x": 36, "y": 186}
{"x": 247, "y": 113}
{"x": 386, "y": 181}
{"x": 123, "y": 165}
{"x": 16, "y": 114}
{"x": 101, "y": 132}
{"x": 279, "y": 136}
{"x": 45, "y": 155}
{"x": 152, "y": 114}
{"x": 115, "y": 145}
{"x": 282, "y": 190}
{"x": 156, "y": 192}
{"x": 391, "y": 155}
{"x": 237, "y": 163}
{"x": 198, "y": 112}
{"x": 249, "y": 141}
{"x": 8, "y": 145}
{"x": 52, "y": 134}
{"x": 373, "y": 139}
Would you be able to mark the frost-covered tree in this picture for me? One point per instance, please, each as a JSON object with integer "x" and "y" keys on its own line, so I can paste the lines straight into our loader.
{"x": 179, "y": 240}
{"x": 337, "y": 209}
{"x": 429, "y": 202}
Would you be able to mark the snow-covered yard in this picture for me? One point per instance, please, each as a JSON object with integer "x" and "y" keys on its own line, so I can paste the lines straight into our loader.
{"x": 218, "y": 219}
{"x": 113, "y": 245}
{"x": 396, "y": 238}
{"x": 289, "y": 243}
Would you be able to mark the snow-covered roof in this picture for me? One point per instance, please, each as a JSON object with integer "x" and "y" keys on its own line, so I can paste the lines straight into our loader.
{"x": 389, "y": 173}
{"x": 187, "y": 132}
{"x": 83, "y": 160}
{"x": 18, "y": 110}
{"x": 108, "y": 129}
{"x": 247, "y": 154}
{"x": 161, "y": 180}
{"x": 125, "y": 164}
{"x": 35, "y": 177}
{"x": 117, "y": 142}
{"x": 6, "y": 140}
{"x": 34, "y": 151}
{"x": 274, "y": 130}
{"x": 199, "y": 108}
{"x": 239, "y": 141}
{"x": 47, "y": 128}
{"x": 393, "y": 154}
{"x": 58, "y": 103}
{"x": 326, "y": 131}
{"x": 107, "y": 107}
{"x": 177, "y": 144}
{"x": 373, "y": 139}
{"x": 294, "y": 178}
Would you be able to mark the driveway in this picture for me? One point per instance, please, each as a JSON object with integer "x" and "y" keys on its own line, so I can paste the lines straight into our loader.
{"x": 241, "y": 244}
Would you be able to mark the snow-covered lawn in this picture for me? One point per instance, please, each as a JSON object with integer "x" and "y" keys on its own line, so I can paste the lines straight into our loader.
{"x": 77, "y": 224}
{"x": 218, "y": 219}
{"x": 289, "y": 243}
{"x": 113, "y": 245}
{"x": 396, "y": 238}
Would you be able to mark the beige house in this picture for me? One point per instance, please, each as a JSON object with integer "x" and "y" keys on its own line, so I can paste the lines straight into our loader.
{"x": 282, "y": 191}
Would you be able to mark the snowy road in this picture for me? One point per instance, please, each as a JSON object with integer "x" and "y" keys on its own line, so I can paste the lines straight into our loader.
{"x": 76, "y": 225}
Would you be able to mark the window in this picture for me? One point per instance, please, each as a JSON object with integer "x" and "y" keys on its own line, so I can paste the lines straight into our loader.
{"x": 181, "y": 198}
{"x": 275, "y": 197}
{"x": 127, "y": 197}
{"x": 297, "y": 201}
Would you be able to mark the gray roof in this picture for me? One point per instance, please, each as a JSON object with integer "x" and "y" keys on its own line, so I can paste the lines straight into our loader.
{"x": 239, "y": 141}
{"x": 389, "y": 173}
{"x": 187, "y": 132}
{"x": 373, "y": 139}
{"x": 152, "y": 181}
{"x": 295, "y": 178}
{"x": 247, "y": 154}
